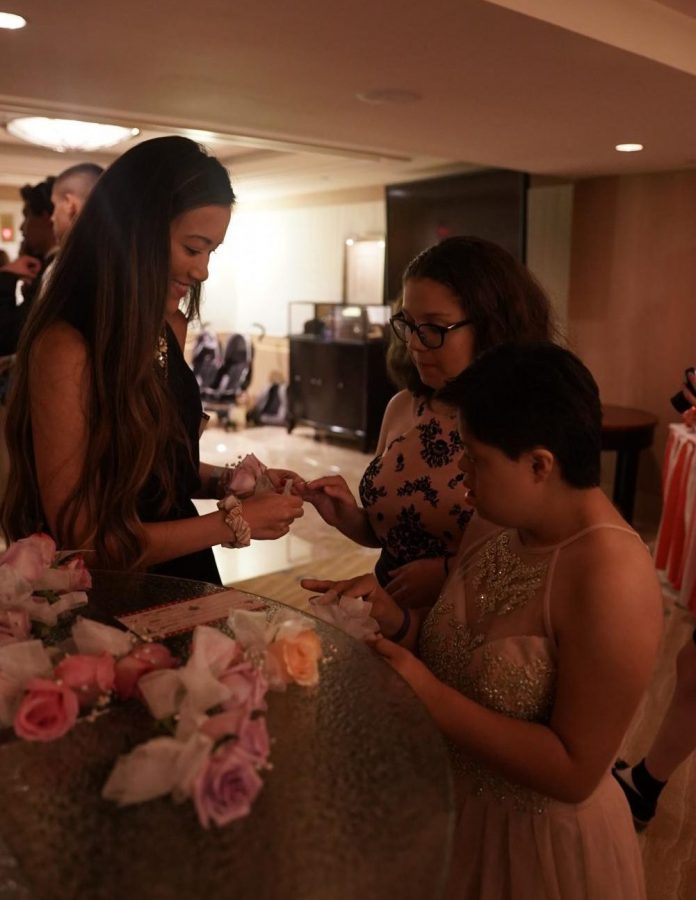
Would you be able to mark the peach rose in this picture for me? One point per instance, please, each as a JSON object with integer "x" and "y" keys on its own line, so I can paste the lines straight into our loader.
{"x": 88, "y": 676}
{"x": 142, "y": 659}
{"x": 47, "y": 711}
{"x": 298, "y": 657}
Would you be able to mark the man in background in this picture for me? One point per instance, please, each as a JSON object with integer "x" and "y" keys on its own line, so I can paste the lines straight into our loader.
{"x": 36, "y": 251}
{"x": 70, "y": 191}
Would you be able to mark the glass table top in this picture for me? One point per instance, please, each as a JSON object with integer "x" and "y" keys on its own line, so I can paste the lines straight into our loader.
{"x": 358, "y": 803}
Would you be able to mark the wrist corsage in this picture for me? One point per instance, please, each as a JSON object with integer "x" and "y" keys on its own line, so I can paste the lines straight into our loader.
{"x": 232, "y": 510}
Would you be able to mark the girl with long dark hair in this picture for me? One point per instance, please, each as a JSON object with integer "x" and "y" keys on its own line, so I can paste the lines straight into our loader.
{"x": 104, "y": 415}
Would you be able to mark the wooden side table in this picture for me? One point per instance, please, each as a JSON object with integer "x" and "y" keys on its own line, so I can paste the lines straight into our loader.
{"x": 628, "y": 431}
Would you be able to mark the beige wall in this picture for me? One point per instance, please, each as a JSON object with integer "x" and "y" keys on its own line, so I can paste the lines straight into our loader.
{"x": 632, "y": 297}
{"x": 286, "y": 251}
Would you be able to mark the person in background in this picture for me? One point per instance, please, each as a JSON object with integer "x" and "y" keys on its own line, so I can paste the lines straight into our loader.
{"x": 36, "y": 252}
{"x": 460, "y": 297}
{"x": 675, "y": 741}
{"x": 536, "y": 655}
{"x": 70, "y": 191}
{"x": 35, "y": 255}
{"x": 104, "y": 413}
{"x": 38, "y": 238}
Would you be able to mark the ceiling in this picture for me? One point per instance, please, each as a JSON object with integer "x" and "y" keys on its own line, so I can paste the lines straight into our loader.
{"x": 544, "y": 86}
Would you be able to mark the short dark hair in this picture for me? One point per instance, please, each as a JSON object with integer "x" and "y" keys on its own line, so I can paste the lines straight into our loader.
{"x": 518, "y": 396}
{"x": 87, "y": 169}
{"x": 37, "y": 197}
{"x": 496, "y": 291}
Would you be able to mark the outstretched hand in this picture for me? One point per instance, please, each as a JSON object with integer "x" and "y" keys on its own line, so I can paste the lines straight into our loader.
{"x": 331, "y": 497}
{"x": 359, "y": 586}
{"x": 388, "y": 614}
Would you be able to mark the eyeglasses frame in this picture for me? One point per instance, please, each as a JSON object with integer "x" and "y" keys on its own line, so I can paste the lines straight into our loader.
{"x": 443, "y": 330}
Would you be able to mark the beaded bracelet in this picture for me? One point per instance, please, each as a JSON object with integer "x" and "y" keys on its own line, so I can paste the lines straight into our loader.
{"x": 399, "y": 635}
{"x": 238, "y": 525}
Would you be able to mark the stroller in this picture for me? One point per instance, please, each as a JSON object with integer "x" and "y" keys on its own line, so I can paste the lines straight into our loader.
{"x": 207, "y": 357}
{"x": 230, "y": 379}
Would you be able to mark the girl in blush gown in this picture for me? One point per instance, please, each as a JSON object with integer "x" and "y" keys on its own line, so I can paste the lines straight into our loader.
{"x": 536, "y": 654}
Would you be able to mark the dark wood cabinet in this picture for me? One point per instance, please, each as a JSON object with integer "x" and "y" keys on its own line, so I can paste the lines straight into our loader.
{"x": 339, "y": 386}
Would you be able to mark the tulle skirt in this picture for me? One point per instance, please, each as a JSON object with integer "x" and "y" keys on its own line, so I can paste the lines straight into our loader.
{"x": 585, "y": 851}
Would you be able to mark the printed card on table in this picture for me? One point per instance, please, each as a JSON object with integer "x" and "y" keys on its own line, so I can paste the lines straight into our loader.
{"x": 181, "y": 616}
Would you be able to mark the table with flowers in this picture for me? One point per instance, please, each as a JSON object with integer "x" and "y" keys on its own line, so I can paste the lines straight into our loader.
{"x": 354, "y": 801}
{"x": 675, "y": 549}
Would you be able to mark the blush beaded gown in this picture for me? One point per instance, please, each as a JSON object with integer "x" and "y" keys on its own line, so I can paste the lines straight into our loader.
{"x": 490, "y": 637}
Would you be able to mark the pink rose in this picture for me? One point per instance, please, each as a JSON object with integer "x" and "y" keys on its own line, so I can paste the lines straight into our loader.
{"x": 247, "y": 684}
{"x": 224, "y": 724}
{"x": 81, "y": 578}
{"x": 142, "y": 659}
{"x": 298, "y": 657}
{"x": 47, "y": 711}
{"x": 226, "y": 786}
{"x": 14, "y": 626}
{"x": 243, "y": 478}
{"x": 88, "y": 676}
{"x": 251, "y": 734}
{"x": 30, "y": 556}
{"x": 254, "y": 740}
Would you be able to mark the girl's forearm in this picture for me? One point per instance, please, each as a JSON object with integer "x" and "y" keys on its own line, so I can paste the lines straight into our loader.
{"x": 527, "y": 753}
{"x": 167, "y": 540}
{"x": 357, "y": 527}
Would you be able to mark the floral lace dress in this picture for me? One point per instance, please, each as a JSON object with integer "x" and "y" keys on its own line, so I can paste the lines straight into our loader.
{"x": 413, "y": 495}
{"x": 490, "y": 637}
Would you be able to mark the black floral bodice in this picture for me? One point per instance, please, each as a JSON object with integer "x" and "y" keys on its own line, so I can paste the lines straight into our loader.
{"x": 413, "y": 491}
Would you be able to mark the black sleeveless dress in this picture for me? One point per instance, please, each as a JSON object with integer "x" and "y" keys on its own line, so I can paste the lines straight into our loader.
{"x": 186, "y": 401}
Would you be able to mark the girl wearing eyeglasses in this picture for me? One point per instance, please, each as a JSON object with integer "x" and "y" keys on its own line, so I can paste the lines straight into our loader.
{"x": 460, "y": 297}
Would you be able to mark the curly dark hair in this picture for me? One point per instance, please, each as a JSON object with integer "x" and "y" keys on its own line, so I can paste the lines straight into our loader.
{"x": 37, "y": 197}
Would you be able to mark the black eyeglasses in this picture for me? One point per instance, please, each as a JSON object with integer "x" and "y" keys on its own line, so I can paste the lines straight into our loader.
{"x": 430, "y": 336}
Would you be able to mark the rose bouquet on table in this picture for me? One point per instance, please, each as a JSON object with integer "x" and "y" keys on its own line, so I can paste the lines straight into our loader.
{"x": 212, "y": 704}
{"x": 214, "y": 707}
{"x": 38, "y": 584}
{"x": 43, "y": 689}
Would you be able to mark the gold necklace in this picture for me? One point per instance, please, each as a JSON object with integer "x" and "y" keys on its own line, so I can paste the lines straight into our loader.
{"x": 162, "y": 352}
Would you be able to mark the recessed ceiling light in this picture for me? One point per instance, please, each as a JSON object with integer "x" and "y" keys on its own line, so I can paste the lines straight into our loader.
{"x": 629, "y": 148}
{"x": 11, "y": 21}
{"x": 69, "y": 134}
{"x": 388, "y": 95}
